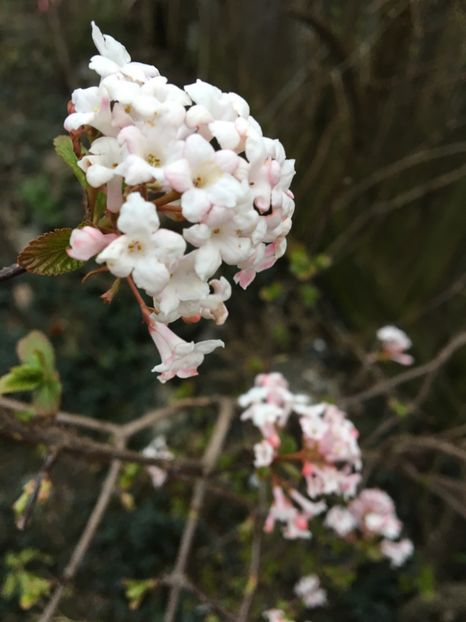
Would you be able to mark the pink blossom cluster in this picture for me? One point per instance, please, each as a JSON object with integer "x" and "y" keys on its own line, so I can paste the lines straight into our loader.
{"x": 329, "y": 454}
{"x": 194, "y": 155}
{"x": 372, "y": 516}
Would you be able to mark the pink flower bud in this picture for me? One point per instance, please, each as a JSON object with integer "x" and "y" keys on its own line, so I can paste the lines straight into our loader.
{"x": 87, "y": 242}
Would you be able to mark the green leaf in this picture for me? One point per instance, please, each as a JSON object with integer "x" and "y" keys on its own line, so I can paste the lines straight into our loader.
{"x": 64, "y": 148}
{"x": 47, "y": 256}
{"x": 309, "y": 295}
{"x": 46, "y": 399}
{"x": 9, "y": 586}
{"x": 36, "y": 349}
{"x": 301, "y": 264}
{"x": 136, "y": 590}
{"x": 21, "y": 378}
{"x": 272, "y": 292}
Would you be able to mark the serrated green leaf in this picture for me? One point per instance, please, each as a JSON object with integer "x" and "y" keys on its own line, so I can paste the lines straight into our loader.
{"x": 21, "y": 378}
{"x": 47, "y": 256}
{"x": 30, "y": 348}
{"x": 64, "y": 148}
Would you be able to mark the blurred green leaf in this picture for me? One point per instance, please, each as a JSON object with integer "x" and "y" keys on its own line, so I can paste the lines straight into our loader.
{"x": 309, "y": 295}
{"x": 272, "y": 292}
{"x": 35, "y": 348}
{"x": 64, "y": 148}
{"x": 21, "y": 378}
{"x": 136, "y": 590}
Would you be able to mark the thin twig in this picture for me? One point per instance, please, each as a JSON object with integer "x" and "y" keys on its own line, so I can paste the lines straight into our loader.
{"x": 53, "y": 436}
{"x": 153, "y": 416}
{"x": 79, "y": 421}
{"x": 184, "y": 583}
{"x": 86, "y": 538}
{"x": 386, "y": 386}
{"x": 390, "y": 205}
{"x": 200, "y": 488}
{"x": 9, "y": 272}
{"x": 50, "y": 459}
{"x": 254, "y": 565}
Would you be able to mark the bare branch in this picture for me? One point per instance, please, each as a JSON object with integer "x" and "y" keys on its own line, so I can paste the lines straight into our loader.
{"x": 80, "y": 421}
{"x": 152, "y": 417}
{"x": 9, "y": 272}
{"x": 200, "y": 488}
{"x": 413, "y": 159}
{"x": 401, "y": 200}
{"x": 437, "y": 489}
{"x": 51, "y": 435}
{"x": 386, "y": 386}
{"x": 253, "y": 574}
{"x": 184, "y": 583}
{"x": 50, "y": 459}
{"x": 86, "y": 538}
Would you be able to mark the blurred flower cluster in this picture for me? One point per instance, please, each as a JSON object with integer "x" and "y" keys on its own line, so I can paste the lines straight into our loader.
{"x": 195, "y": 156}
{"x": 326, "y": 463}
{"x": 372, "y": 516}
{"x": 329, "y": 456}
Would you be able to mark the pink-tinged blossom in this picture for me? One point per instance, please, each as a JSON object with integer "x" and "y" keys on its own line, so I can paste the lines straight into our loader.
{"x": 264, "y": 453}
{"x": 216, "y": 244}
{"x": 187, "y": 295}
{"x": 224, "y": 116}
{"x": 114, "y": 58}
{"x": 270, "y": 175}
{"x": 92, "y": 107}
{"x": 179, "y": 358}
{"x": 309, "y": 590}
{"x": 88, "y": 242}
{"x": 144, "y": 251}
{"x": 281, "y": 510}
{"x": 157, "y": 448}
{"x": 147, "y": 152}
{"x": 375, "y": 513}
{"x": 341, "y": 520}
{"x": 263, "y": 257}
{"x": 394, "y": 342}
{"x": 397, "y": 552}
{"x": 295, "y": 519}
{"x": 100, "y": 162}
{"x": 204, "y": 177}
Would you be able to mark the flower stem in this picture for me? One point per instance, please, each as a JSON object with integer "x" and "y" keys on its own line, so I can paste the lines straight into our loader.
{"x": 145, "y": 310}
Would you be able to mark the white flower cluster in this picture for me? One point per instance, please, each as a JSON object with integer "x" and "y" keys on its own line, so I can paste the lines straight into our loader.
{"x": 194, "y": 155}
{"x": 372, "y": 514}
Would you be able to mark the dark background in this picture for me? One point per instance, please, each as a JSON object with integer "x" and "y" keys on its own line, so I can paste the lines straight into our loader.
{"x": 369, "y": 96}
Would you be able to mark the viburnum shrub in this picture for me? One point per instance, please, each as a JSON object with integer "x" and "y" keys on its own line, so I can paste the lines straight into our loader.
{"x": 179, "y": 183}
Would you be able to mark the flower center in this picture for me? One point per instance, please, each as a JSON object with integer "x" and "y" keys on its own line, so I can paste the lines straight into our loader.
{"x": 153, "y": 160}
{"x": 135, "y": 246}
{"x": 198, "y": 181}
